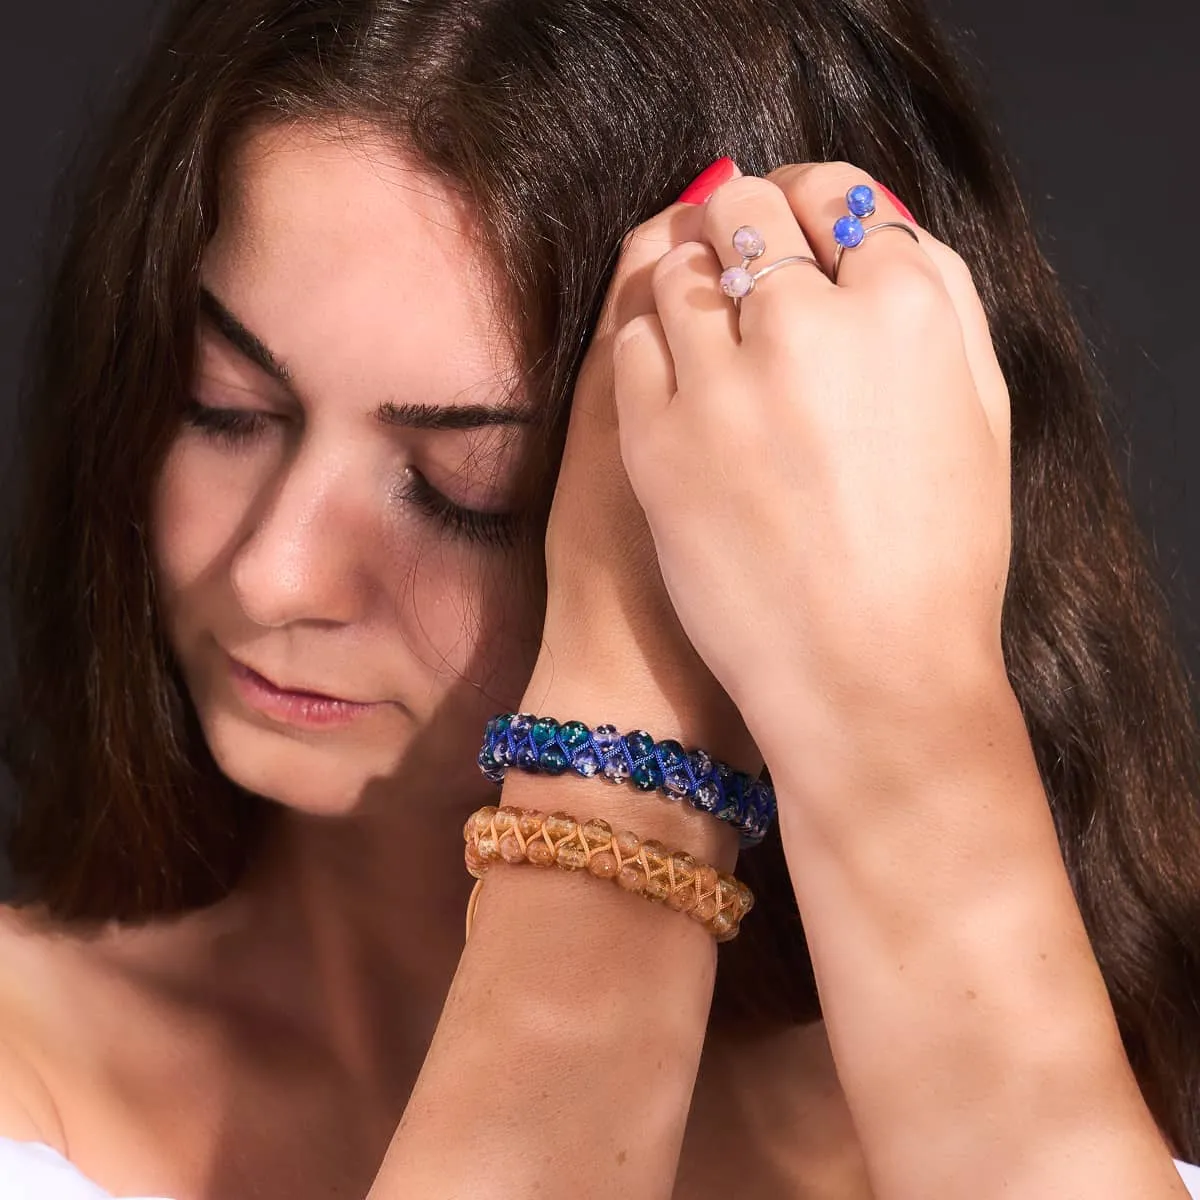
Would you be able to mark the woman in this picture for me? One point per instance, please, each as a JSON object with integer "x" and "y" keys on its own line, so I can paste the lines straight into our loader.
{"x": 295, "y": 435}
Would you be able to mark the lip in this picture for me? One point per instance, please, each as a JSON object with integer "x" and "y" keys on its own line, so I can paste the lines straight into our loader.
{"x": 294, "y": 707}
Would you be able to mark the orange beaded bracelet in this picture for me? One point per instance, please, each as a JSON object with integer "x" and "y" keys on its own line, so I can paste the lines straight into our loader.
{"x": 647, "y": 868}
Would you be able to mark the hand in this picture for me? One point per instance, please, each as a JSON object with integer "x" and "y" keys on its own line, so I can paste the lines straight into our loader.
{"x": 611, "y": 635}
{"x": 827, "y": 478}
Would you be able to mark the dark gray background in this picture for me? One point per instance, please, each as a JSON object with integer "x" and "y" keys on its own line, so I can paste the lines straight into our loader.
{"x": 1096, "y": 101}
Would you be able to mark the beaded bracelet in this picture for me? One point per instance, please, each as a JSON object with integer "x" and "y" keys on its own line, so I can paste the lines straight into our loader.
{"x": 646, "y": 868}
{"x": 541, "y": 744}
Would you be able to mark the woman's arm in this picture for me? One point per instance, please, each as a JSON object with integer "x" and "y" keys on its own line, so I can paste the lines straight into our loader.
{"x": 970, "y": 1024}
{"x": 564, "y": 1062}
{"x": 859, "y": 424}
{"x": 565, "y": 1059}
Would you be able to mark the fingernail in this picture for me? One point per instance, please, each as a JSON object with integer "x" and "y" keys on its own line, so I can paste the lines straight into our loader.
{"x": 897, "y": 202}
{"x": 707, "y": 182}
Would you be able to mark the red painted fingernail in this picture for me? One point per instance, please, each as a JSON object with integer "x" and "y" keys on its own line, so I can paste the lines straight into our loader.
{"x": 897, "y": 202}
{"x": 707, "y": 182}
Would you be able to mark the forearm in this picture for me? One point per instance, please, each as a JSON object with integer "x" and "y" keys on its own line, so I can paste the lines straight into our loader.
{"x": 969, "y": 1021}
{"x": 564, "y": 1062}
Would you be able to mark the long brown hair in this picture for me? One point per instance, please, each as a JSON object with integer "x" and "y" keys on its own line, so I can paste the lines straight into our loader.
{"x": 567, "y": 122}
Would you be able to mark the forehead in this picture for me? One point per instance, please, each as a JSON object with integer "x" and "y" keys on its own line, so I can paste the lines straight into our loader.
{"x": 332, "y": 244}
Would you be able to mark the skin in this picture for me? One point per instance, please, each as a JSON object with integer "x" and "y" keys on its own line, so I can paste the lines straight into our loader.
{"x": 274, "y": 1041}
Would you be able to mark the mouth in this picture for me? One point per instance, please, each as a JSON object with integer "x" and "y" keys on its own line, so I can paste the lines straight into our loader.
{"x": 294, "y": 706}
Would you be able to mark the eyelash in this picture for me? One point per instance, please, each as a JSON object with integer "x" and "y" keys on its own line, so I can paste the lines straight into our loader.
{"x": 235, "y": 427}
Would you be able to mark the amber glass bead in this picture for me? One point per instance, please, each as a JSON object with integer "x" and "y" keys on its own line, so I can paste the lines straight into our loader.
{"x": 631, "y": 877}
{"x": 596, "y": 832}
{"x": 559, "y": 826}
{"x": 539, "y": 853}
{"x": 571, "y": 856}
{"x": 510, "y": 849}
{"x": 603, "y": 864}
{"x": 505, "y": 818}
{"x": 627, "y": 843}
{"x": 655, "y": 888}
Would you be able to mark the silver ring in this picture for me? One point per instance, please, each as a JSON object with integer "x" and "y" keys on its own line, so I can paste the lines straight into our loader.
{"x": 738, "y": 282}
{"x": 867, "y": 231}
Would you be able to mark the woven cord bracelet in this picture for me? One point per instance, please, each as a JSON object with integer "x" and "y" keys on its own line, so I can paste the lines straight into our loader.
{"x": 543, "y": 745}
{"x": 645, "y": 868}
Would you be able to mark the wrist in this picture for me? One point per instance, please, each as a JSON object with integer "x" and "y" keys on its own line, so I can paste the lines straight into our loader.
{"x": 679, "y": 699}
{"x": 650, "y": 815}
{"x": 841, "y": 757}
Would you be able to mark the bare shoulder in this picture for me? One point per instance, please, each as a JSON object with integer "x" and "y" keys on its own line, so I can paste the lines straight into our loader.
{"x": 27, "y": 1108}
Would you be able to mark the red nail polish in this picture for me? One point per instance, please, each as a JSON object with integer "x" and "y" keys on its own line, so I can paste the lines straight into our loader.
{"x": 707, "y": 182}
{"x": 897, "y": 202}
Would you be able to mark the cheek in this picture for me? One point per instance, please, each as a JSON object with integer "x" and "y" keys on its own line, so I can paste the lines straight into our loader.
{"x": 198, "y": 506}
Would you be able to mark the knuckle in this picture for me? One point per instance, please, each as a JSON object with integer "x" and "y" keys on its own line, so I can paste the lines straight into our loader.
{"x": 684, "y": 259}
{"x": 912, "y": 296}
{"x": 631, "y": 332}
{"x": 822, "y": 183}
{"x": 737, "y": 194}
{"x": 953, "y": 266}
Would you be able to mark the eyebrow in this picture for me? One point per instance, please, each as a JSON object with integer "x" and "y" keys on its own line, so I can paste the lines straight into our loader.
{"x": 408, "y": 415}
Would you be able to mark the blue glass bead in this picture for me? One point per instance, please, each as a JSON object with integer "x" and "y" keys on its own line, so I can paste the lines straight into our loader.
{"x": 572, "y": 734}
{"x": 543, "y": 731}
{"x": 502, "y": 722}
{"x": 605, "y": 737}
{"x": 708, "y": 796}
{"x": 700, "y": 763}
{"x": 640, "y": 743}
{"x": 586, "y": 763}
{"x": 527, "y": 757}
{"x": 553, "y": 761}
{"x": 521, "y": 724}
{"x": 616, "y": 769}
{"x": 860, "y": 200}
{"x": 671, "y": 755}
{"x": 848, "y": 232}
{"x": 500, "y": 753}
{"x": 676, "y": 783}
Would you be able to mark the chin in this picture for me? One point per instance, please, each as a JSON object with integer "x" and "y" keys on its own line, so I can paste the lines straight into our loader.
{"x": 326, "y": 776}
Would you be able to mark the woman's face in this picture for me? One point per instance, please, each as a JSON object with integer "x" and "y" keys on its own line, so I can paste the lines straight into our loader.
{"x": 334, "y": 524}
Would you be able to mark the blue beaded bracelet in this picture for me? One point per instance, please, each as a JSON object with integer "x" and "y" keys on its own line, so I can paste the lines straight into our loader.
{"x": 542, "y": 745}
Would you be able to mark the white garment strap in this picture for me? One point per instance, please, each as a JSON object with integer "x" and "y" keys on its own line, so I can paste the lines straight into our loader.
{"x": 35, "y": 1171}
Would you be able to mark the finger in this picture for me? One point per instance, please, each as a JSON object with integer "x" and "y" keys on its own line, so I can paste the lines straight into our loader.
{"x": 977, "y": 341}
{"x": 643, "y": 377}
{"x": 817, "y": 194}
{"x": 762, "y": 206}
{"x": 698, "y": 321}
{"x": 630, "y": 293}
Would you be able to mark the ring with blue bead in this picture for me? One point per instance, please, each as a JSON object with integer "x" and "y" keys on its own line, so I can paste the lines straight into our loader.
{"x": 543, "y": 745}
{"x": 849, "y": 232}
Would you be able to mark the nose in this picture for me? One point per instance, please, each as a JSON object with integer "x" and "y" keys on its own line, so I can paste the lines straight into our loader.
{"x": 303, "y": 557}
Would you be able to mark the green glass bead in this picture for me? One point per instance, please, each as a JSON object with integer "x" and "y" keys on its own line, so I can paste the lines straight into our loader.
{"x": 543, "y": 731}
{"x": 646, "y": 777}
{"x": 553, "y": 761}
{"x": 573, "y": 734}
